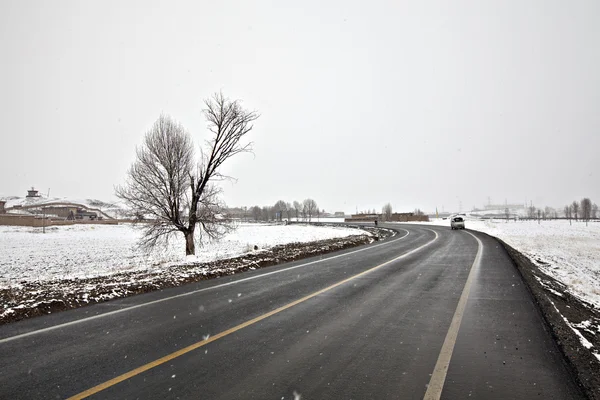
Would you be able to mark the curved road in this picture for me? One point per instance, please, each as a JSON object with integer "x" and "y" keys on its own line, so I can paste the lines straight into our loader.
{"x": 431, "y": 313}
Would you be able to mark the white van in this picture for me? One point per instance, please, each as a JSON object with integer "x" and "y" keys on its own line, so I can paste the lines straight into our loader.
{"x": 457, "y": 222}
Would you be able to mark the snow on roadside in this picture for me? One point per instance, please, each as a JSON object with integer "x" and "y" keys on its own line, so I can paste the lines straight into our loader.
{"x": 85, "y": 251}
{"x": 574, "y": 327}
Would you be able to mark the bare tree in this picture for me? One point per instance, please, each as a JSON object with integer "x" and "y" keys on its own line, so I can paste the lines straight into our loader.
{"x": 575, "y": 208}
{"x": 568, "y": 212}
{"x": 507, "y": 214}
{"x": 586, "y": 209}
{"x": 256, "y": 212}
{"x": 157, "y": 182}
{"x": 279, "y": 208}
{"x": 298, "y": 209}
{"x": 386, "y": 211}
{"x": 163, "y": 182}
{"x": 418, "y": 212}
{"x": 531, "y": 212}
{"x": 266, "y": 213}
{"x": 310, "y": 208}
{"x": 288, "y": 211}
{"x": 594, "y": 211}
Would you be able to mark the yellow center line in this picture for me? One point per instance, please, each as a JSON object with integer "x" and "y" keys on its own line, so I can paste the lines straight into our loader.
{"x": 220, "y": 335}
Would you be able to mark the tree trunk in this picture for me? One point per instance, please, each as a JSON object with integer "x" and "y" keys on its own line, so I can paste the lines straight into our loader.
{"x": 190, "y": 248}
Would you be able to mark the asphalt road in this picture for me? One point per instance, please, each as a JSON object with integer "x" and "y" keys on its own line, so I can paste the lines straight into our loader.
{"x": 431, "y": 308}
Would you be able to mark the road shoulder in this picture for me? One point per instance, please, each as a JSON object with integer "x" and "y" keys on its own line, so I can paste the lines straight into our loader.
{"x": 555, "y": 306}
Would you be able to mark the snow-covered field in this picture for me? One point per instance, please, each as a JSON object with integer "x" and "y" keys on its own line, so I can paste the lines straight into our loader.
{"x": 568, "y": 253}
{"x": 84, "y": 251}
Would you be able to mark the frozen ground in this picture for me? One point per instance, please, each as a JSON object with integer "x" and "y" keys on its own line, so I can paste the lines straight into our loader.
{"x": 86, "y": 251}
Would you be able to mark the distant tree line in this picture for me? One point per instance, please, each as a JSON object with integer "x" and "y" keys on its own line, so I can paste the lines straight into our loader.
{"x": 584, "y": 210}
{"x": 386, "y": 212}
{"x": 306, "y": 210}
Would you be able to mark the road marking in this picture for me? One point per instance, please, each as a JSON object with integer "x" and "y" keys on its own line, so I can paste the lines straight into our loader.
{"x": 436, "y": 383}
{"x": 121, "y": 310}
{"x": 220, "y": 335}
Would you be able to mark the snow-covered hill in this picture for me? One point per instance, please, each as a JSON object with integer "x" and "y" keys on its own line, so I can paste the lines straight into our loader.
{"x": 113, "y": 209}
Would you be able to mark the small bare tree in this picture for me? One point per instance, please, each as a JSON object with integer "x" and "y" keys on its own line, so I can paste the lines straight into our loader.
{"x": 386, "y": 211}
{"x": 586, "y": 210}
{"x": 310, "y": 208}
{"x": 568, "y": 212}
{"x": 297, "y": 209}
{"x": 288, "y": 211}
{"x": 279, "y": 209}
{"x": 266, "y": 213}
{"x": 164, "y": 184}
{"x": 594, "y": 211}
{"x": 256, "y": 212}
{"x": 575, "y": 208}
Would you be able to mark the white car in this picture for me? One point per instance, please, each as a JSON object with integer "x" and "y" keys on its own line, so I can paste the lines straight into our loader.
{"x": 457, "y": 223}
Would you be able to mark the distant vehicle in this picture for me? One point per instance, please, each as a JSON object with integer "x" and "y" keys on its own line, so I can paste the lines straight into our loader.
{"x": 457, "y": 223}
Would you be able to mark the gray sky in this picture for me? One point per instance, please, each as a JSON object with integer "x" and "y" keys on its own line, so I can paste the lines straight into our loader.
{"x": 421, "y": 104}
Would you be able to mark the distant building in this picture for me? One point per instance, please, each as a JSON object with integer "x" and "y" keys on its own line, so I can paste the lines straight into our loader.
{"x": 38, "y": 214}
{"x": 395, "y": 217}
{"x": 84, "y": 215}
{"x": 32, "y": 193}
{"x": 61, "y": 211}
{"x": 363, "y": 218}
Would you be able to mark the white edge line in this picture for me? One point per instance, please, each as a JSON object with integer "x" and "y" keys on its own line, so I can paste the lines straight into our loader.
{"x": 436, "y": 383}
{"x": 86, "y": 319}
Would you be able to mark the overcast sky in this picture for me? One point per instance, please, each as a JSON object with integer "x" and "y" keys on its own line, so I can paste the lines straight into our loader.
{"x": 421, "y": 104}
